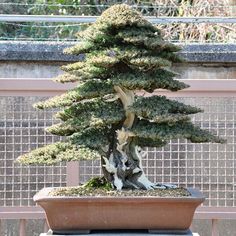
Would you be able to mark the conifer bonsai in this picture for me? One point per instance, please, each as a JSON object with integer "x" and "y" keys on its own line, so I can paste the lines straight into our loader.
{"x": 102, "y": 117}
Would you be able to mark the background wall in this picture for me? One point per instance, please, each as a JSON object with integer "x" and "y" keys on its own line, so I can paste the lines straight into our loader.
{"x": 208, "y": 167}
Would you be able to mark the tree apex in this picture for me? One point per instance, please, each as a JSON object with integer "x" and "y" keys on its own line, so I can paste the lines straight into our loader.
{"x": 121, "y": 15}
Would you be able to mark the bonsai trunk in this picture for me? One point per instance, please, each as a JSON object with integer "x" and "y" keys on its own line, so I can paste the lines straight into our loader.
{"x": 124, "y": 168}
{"x": 123, "y": 164}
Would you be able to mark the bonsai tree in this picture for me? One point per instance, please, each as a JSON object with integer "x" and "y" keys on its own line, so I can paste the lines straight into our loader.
{"x": 102, "y": 116}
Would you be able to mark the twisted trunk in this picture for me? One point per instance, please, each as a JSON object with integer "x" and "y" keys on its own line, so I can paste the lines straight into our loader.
{"x": 123, "y": 164}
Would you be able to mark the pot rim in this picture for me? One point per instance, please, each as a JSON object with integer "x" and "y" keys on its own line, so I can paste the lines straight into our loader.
{"x": 43, "y": 196}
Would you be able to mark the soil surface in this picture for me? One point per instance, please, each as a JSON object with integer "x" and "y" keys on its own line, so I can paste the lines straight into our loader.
{"x": 98, "y": 192}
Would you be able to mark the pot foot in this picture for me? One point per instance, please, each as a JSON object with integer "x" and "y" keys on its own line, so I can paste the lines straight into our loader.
{"x": 171, "y": 232}
{"x": 63, "y": 233}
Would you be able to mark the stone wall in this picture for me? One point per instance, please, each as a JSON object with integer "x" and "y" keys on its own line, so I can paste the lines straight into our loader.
{"x": 42, "y": 60}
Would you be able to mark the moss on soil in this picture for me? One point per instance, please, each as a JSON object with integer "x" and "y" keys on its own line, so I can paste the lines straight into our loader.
{"x": 99, "y": 187}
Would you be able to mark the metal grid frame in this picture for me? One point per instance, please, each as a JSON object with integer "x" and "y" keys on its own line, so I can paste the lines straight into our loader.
{"x": 21, "y": 130}
{"x": 214, "y": 163}
{"x": 209, "y": 167}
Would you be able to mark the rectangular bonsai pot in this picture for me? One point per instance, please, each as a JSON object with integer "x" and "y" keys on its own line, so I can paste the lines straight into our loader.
{"x": 79, "y": 214}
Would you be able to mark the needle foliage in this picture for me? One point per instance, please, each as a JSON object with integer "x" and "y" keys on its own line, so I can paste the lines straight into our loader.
{"x": 120, "y": 49}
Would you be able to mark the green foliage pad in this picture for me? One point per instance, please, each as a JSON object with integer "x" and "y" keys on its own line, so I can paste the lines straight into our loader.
{"x": 121, "y": 49}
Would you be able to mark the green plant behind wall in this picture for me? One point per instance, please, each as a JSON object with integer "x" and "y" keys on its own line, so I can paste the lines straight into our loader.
{"x": 102, "y": 117}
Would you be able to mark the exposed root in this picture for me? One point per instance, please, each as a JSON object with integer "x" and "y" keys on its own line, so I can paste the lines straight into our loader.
{"x": 143, "y": 179}
{"x": 130, "y": 176}
{"x": 110, "y": 167}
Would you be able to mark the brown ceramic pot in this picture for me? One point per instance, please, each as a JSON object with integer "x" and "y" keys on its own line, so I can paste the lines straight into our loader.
{"x": 77, "y": 214}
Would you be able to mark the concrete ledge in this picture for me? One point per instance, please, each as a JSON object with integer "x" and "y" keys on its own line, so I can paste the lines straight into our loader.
{"x": 35, "y": 51}
{"x": 53, "y": 51}
{"x": 213, "y": 53}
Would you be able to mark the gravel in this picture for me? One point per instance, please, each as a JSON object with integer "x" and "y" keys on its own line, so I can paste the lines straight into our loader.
{"x": 99, "y": 192}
